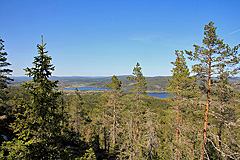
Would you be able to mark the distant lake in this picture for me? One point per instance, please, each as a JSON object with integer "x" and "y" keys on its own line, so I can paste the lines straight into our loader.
{"x": 87, "y": 88}
{"x": 159, "y": 95}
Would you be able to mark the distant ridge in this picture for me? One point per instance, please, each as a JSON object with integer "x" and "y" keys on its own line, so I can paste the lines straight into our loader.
{"x": 154, "y": 84}
{"x": 21, "y": 79}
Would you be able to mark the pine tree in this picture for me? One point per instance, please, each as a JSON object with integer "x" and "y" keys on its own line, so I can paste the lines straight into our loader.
{"x": 115, "y": 86}
{"x": 79, "y": 110}
{"x": 181, "y": 86}
{"x": 104, "y": 103}
{"x": 4, "y": 72}
{"x": 208, "y": 58}
{"x": 225, "y": 69}
{"x": 139, "y": 88}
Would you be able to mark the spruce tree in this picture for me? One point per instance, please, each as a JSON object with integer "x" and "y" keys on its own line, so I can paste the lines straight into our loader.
{"x": 207, "y": 60}
{"x": 39, "y": 129}
{"x": 4, "y": 90}
{"x": 4, "y": 72}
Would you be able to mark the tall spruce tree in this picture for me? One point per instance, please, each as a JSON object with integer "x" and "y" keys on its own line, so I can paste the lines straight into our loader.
{"x": 208, "y": 58}
{"x": 4, "y": 72}
{"x": 39, "y": 129}
{"x": 4, "y": 90}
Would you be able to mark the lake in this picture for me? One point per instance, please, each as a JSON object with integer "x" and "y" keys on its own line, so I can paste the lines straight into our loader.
{"x": 159, "y": 95}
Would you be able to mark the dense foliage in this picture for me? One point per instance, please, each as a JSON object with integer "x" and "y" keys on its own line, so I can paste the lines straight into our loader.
{"x": 5, "y": 72}
{"x": 200, "y": 119}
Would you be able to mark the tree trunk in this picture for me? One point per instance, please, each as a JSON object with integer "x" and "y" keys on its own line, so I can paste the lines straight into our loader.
{"x": 76, "y": 118}
{"x": 62, "y": 101}
{"x": 207, "y": 106}
{"x": 194, "y": 149}
{"x": 104, "y": 131}
{"x": 220, "y": 135}
{"x": 114, "y": 119}
{"x": 88, "y": 134}
{"x": 177, "y": 121}
{"x": 138, "y": 113}
{"x": 131, "y": 128}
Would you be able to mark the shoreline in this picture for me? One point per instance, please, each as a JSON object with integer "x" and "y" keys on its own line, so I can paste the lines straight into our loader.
{"x": 102, "y": 88}
{"x": 156, "y": 91}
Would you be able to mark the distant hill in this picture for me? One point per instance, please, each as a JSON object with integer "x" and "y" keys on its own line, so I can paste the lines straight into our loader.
{"x": 153, "y": 83}
{"x": 156, "y": 84}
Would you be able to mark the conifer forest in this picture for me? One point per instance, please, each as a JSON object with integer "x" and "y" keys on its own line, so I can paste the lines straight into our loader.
{"x": 199, "y": 120}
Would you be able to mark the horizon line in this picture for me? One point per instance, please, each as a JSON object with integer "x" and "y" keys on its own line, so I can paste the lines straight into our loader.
{"x": 94, "y": 75}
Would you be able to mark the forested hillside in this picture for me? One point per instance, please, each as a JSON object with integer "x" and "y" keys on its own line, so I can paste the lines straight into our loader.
{"x": 200, "y": 119}
{"x": 154, "y": 84}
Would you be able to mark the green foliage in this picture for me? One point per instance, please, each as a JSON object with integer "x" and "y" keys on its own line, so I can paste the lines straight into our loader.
{"x": 114, "y": 124}
{"x": 180, "y": 83}
{"x": 216, "y": 61}
{"x": 39, "y": 128}
{"x": 138, "y": 79}
{"x": 4, "y": 72}
{"x": 182, "y": 89}
{"x": 89, "y": 155}
{"x": 17, "y": 147}
{"x": 213, "y": 56}
{"x": 5, "y": 110}
{"x": 80, "y": 114}
{"x": 115, "y": 84}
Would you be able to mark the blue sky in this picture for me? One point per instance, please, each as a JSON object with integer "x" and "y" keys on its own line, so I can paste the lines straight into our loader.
{"x": 107, "y": 37}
